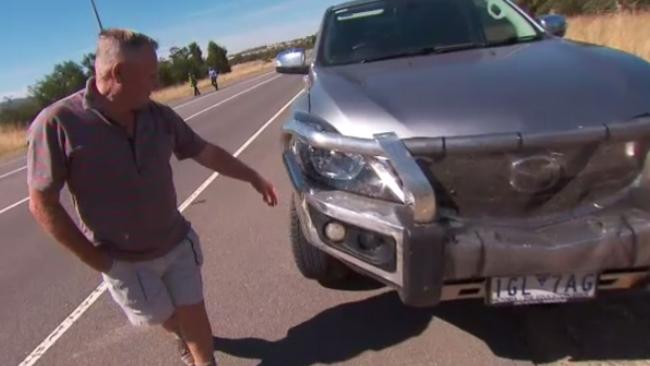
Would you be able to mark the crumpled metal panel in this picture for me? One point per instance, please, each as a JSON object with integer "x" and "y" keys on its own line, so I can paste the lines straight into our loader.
{"x": 534, "y": 184}
{"x": 615, "y": 239}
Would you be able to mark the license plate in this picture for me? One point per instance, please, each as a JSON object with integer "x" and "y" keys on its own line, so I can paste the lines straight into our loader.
{"x": 542, "y": 289}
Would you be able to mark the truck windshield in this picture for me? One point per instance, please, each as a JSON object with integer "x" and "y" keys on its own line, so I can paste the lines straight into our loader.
{"x": 387, "y": 29}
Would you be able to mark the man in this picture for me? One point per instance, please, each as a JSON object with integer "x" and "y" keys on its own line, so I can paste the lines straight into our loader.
{"x": 213, "y": 77}
{"x": 193, "y": 83}
{"x": 111, "y": 144}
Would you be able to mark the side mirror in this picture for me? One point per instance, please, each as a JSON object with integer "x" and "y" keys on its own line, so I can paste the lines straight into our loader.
{"x": 292, "y": 61}
{"x": 554, "y": 24}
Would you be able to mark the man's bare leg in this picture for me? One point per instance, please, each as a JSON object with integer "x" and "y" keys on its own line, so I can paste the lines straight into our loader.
{"x": 194, "y": 326}
{"x": 171, "y": 325}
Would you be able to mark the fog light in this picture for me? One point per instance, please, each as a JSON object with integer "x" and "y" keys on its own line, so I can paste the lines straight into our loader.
{"x": 335, "y": 232}
{"x": 370, "y": 241}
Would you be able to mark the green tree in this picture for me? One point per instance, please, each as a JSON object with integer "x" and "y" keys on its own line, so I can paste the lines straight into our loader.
{"x": 165, "y": 73}
{"x": 195, "y": 52}
{"x": 88, "y": 62}
{"x": 67, "y": 78}
{"x": 180, "y": 63}
{"x": 197, "y": 64}
{"x": 218, "y": 58}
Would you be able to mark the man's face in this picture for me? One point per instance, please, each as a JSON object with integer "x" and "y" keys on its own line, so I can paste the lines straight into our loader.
{"x": 139, "y": 77}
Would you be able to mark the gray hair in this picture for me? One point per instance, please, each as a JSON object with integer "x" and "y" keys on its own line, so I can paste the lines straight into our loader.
{"x": 116, "y": 45}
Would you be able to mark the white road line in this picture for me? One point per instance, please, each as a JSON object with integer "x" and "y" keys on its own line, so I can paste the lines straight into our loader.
{"x": 186, "y": 104}
{"x": 232, "y": 97}
{"x": 186, "y": 119}
{"x": 13, "y": 172}
{"x": 37, "y": 353}
{"x": 192, "y": 101}
{"x": 14, "y": 205}
{"x": 214, "y": 176}
{"x": 76, "y": 314}
{"x": 13, "y": 161}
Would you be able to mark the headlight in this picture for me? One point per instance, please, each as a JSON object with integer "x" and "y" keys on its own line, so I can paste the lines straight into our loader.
{"x": 336, "y": 165}
{"x": 368, "y": 176}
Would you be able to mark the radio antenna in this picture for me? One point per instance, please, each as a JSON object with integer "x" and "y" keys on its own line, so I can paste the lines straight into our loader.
{"x": 99, "y": 21}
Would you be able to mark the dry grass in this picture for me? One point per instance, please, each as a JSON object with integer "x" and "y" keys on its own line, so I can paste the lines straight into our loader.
{"x": 12, "y": 138}
{"x": 13, "y": 135}
{"x": 238, "y": 72}
{"x": 629, "y": 32}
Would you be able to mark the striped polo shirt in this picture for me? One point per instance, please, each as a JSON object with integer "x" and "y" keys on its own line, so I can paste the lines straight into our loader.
{"x": 122, "y": 188}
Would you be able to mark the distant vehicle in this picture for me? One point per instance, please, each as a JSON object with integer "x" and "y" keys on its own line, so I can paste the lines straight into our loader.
{"x": 460, "y": 149}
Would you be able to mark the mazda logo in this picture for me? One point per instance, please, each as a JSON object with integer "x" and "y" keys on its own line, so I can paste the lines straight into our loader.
{"x": 535, "y": 173}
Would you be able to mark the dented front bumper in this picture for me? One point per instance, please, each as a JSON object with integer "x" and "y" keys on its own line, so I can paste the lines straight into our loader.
{"x": 436, "y": 260}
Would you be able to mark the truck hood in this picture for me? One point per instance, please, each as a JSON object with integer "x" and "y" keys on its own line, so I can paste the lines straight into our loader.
{"x": 542, "y": 86}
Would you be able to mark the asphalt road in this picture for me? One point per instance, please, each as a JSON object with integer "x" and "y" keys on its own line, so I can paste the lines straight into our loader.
{"x": 262, "y": 310}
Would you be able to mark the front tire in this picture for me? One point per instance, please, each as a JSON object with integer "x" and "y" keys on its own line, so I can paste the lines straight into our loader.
{"x": 312, "y": 262}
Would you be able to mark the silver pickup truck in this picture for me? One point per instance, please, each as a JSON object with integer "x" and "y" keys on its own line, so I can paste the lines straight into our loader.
{"x": 458, "y": 149}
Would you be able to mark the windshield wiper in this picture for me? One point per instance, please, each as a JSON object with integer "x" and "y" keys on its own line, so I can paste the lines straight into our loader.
{"x": 425, "y": 51}
{"x": 418, "y": 52}
{"x": 514, "y": 40}
{"x": 457, "y": 47}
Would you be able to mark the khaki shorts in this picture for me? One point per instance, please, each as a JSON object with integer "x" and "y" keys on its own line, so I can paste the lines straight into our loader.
{"x": 149, "y": 291}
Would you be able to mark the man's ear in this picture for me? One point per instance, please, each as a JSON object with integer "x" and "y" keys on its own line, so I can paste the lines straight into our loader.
{"x": 117, "y": 72}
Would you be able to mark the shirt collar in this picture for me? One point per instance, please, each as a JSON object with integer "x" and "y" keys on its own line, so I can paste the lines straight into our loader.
{"x": 91, "y": 99}
{"x": 90, "y": 95}
{"x": 91, "y": 102}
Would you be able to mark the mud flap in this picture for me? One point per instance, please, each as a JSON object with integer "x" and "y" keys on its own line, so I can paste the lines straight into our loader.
{"x": 424, "y": 260}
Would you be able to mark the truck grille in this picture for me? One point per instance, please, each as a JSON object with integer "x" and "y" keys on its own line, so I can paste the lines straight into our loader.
{"x": 533, "y": 183}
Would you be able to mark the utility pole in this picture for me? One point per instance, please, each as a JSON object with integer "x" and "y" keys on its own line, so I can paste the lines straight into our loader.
{"x": 99, "y": 21}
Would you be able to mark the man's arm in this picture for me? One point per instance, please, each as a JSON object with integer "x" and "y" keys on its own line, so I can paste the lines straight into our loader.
{"x": 215, "y": 158}
{"x": 48, "y": 212}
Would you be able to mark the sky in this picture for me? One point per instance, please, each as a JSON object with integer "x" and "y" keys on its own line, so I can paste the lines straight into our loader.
{"x": 37, "y": 34}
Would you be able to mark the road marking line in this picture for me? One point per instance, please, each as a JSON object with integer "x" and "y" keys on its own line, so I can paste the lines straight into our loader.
{"x": 13, "y": 172}
{"x": 232, "y": 97}
{"x": 214, "y": 176}
{"x": 14, "y": 205}
{"x": 12, "y": 161}
{"x": 186, "y": 119}
{"x": 37, "y": 353}
{"x": 76, "y": 314}
{"x": 185, "y": 104}
{"x": 194, "y": 100}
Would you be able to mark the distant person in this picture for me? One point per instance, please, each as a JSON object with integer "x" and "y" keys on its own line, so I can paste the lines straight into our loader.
{"x": 111, "y": 144}
{"x": 193, "y": 83}
{"x": 213, "y": 77}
